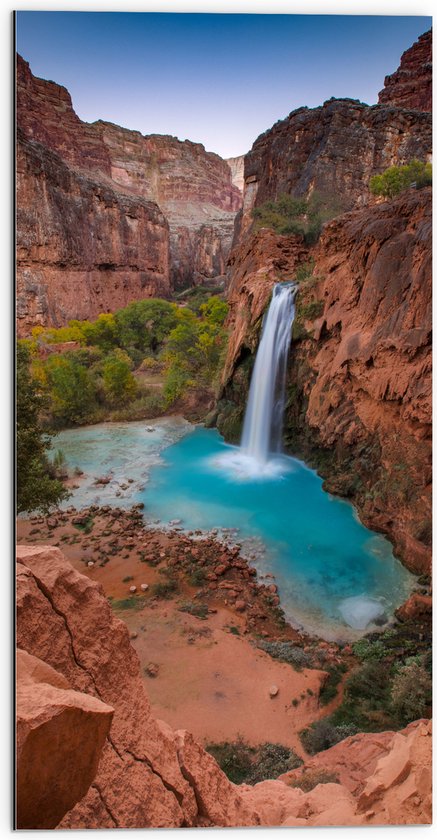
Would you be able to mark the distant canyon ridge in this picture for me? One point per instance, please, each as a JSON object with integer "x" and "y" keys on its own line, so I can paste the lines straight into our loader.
{"x": 106, "y": 215}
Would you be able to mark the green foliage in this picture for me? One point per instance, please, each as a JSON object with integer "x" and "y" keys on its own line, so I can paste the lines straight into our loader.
{"x": 36, "y": 490}
{"x": 197, "y": 576}
{"x": 398, "y": 178}
{"x": 245, "y": 764}
{"x": 411, "y": 693}
{"x": 323, "y": 734}
{"x": 287, "y": 652}
{"x": 304, "y": 271}
{"x": 330, "y": 686}
{"x": 165, "y": 588}
{"x": 290, "y": 215}
{"x": 134, "y": 602}
{"x": 144, "y": 324}
{"x": 72, "y": 391}
{"x": 195, "y": 608}
{"x": 365, "y": 649}
{"x": 119, "y": 385}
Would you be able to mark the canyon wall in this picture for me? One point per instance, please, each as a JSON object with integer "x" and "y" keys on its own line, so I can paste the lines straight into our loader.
{"x": 190, "y": 187}
{"x": 333, "y": 150}
{"x": 359, "y": 380}
{"x": 411, "y": 85}
{"x": 81, "y": 698}
{"x": 237, "y": 169}
{"x": 82, "y": 246}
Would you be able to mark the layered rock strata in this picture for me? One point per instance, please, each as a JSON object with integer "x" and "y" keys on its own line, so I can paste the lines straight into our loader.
{"x": 411, "y": 85}
{"x": 83, "y": 247}
{"x": 359, "y": 385}
{"x": 77, "y": 653}
{"x": 192, "y": 187}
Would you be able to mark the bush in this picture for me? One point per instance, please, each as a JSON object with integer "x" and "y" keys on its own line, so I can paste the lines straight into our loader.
{"x": 36, "y": 489}
{"x": 165, "y": 589}
{"x": 289, "y": 215}
{"x": 198, "y": 610}
{"x": 245, "y": 764}
{"x": 323, "y": 734}
{"x": 287, "y": 652}
{"x": 411, "y": 693}
{"x": 398, "y": 178}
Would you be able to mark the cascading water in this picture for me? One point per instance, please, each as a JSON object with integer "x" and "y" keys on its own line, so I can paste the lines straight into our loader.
{"x": 262, "y": 429}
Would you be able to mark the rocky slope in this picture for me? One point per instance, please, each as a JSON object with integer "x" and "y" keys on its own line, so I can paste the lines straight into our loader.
{"x": 83, "y": 247}
{"x": 75, "y": 655}
{"x": 334, "y": 149}
{"x": 360, "y": 367}
{"x": 237, "y": 169}
{"x": 192, "y": 187}
{"x": 411, "y": 85}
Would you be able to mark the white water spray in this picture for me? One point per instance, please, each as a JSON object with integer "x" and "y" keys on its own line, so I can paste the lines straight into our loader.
{"x": 262, "y": 429}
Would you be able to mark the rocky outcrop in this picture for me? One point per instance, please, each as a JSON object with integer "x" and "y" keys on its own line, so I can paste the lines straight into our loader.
{"x": 78, "y": 656}
{"x": 60, "y": 735}
{"x": 411, "y": 85}
{"x": 82, "y": 246}
{"x": 359, "y": 379}
{"x": 332, "y": 150}
{"x": 237, "y": 168}
{"x": 192, "y": 187}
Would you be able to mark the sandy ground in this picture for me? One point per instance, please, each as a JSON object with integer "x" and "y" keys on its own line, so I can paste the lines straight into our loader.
{"x": 210, "y": 680}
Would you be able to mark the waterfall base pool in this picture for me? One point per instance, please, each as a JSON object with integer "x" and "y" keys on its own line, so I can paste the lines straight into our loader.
{"x": 335, "y": 577}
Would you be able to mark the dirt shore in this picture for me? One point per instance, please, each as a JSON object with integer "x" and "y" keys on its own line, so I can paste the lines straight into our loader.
{"x": 195, "y": 625}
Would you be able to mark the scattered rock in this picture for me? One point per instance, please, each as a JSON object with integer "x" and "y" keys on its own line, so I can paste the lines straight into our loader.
{"x": 273, "y": 691}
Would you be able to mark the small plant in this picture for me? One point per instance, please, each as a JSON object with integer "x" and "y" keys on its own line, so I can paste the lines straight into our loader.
{"x": 287, "y": 652}
{"x": 135, "y": 602}
{"x": 323, "y": 734}
{"x": 197, "y": 577}
{"x": 245, "y": 764}
{"x": 234, "y": 630}
{"x": 411, "y": 693}
{"x": 365, "y": 649}
{"x": 198, "y": 610}
{"x": 330, "y": 686}
{"x": 127, "y": 579}
{"x": 165, "y": 588}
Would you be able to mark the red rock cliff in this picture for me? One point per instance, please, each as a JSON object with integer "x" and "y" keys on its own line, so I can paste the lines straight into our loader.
{"x": 79, "y": 675}
{"x": 83, "y": 246}
{"x": 360, "y": 367}
{"x": 192, "y": 187}
{"x": 411, "y": 85}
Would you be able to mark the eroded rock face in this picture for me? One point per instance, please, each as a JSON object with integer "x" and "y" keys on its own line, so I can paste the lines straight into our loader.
{"x": 82, "y": 246}
{"x": 237, "y": 169}
{"x": 332, "y": 150}
{"x": 360, "y": 365}
{"x": 192, "y": 187}
{"x": 64, "y": 619}
{"x": 77, "y": 654}
{"x": 411, "y": 85}
{"x": 60, "y": 735}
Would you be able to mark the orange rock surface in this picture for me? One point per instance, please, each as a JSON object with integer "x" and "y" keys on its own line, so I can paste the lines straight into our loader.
{"x": 149, "y": 775}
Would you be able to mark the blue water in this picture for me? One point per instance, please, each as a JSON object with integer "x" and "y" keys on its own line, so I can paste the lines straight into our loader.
{"x": 321, "y": 556}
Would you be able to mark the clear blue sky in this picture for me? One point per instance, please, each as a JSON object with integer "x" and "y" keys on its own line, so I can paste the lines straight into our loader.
{"x": 216, "y": 79}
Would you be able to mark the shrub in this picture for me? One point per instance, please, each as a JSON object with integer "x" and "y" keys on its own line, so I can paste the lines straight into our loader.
{"x": 198, "y": 610}
{"x": 165, "y": 588}
{"x": 323, "y": 734}
{"x": 411, "y": 693}
{"x": 395, "y": 179}
{"x": 330, "y": 686}
{"x": 365, "y": 649}
{"x": 245, "y": 764}
{"x": 287, "y": 652}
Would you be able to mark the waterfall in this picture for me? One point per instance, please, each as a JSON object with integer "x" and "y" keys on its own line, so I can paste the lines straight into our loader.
{"x": 262, "y": 429}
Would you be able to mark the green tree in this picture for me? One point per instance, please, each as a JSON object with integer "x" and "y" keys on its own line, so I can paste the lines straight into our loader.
{"x": 36, "y": 490}
{"x": 144, "y": 324}
{"x": 72, "y": 390}
{"x": 119, "y": 384}
{"x": 395, "y": 179}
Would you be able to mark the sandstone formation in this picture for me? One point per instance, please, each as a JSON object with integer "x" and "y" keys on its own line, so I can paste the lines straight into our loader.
{"x": 332, "y": 150}
{"x": 60, "y": 735}
{"x": 149, "y": 775}
{"x": 83, "y": 247}
{"x": 411, "y": 85}
{"x": 360, "y": 366}
{"x": 191, "y": 187}
{"x": 237, "y": 169}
